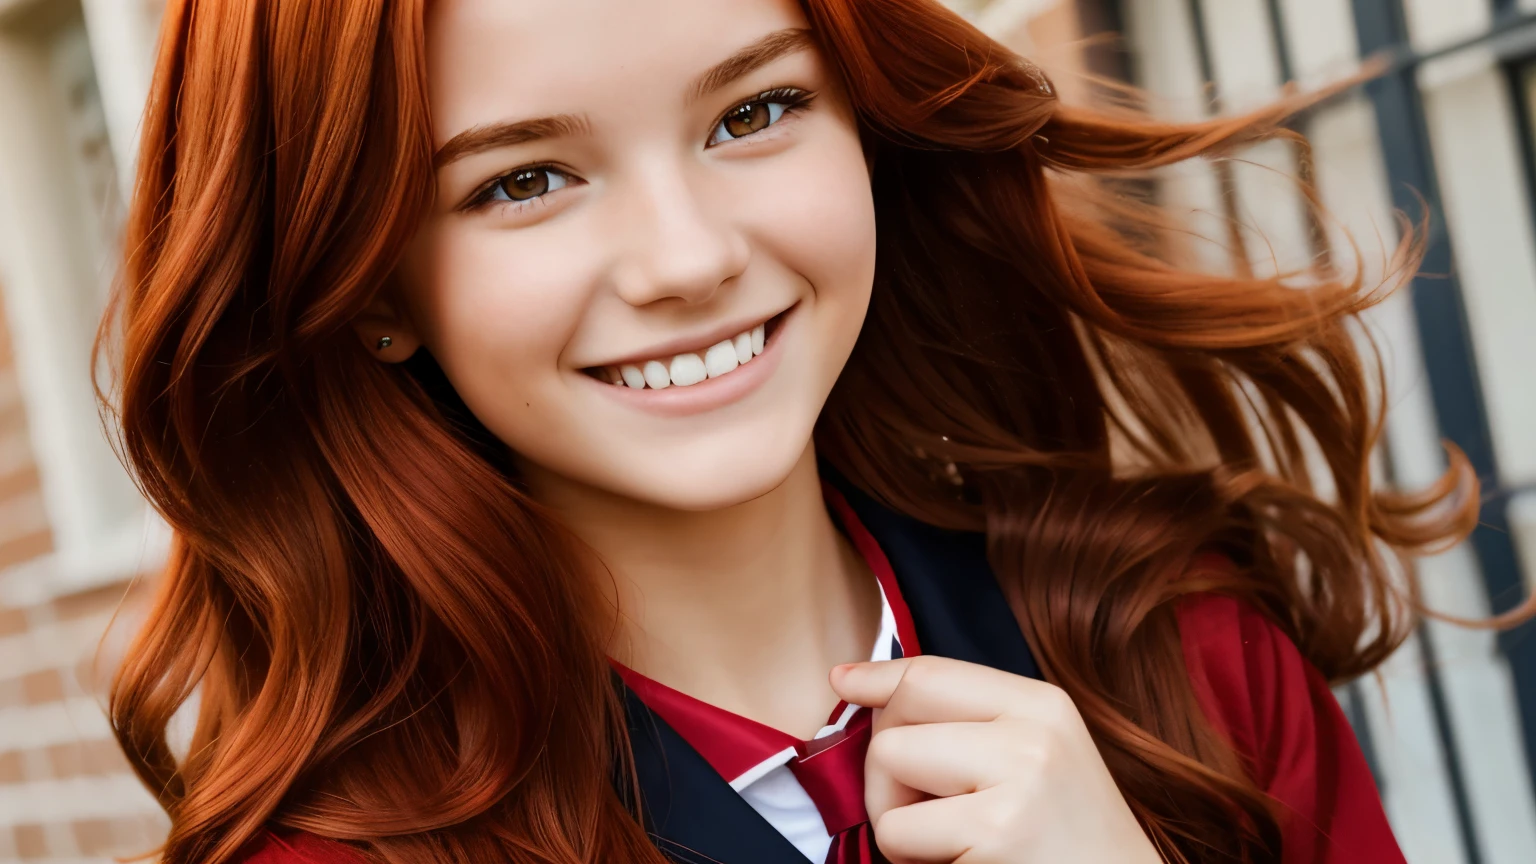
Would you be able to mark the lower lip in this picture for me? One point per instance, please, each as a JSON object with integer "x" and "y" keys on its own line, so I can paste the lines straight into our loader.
{"x": 705, "y": 395}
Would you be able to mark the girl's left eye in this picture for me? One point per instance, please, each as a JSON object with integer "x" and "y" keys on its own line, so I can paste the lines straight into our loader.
{"x": 751, "y": 117}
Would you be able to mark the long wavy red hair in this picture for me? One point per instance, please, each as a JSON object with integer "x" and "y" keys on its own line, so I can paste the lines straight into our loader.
{"x": 391, "y": 644}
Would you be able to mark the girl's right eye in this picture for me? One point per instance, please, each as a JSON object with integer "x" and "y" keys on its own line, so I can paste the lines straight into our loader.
{"x": 522, "y": 188}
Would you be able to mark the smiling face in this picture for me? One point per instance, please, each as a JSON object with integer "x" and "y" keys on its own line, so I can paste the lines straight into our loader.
{"x": 652, "y": 246}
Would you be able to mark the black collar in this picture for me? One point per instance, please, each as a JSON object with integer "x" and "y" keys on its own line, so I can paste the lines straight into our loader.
{"x": 959, "y": 611}
{"x": 945, "y": 577}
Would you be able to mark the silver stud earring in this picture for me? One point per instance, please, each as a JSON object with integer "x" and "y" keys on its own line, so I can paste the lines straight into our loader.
{"x": 385, "y": 342}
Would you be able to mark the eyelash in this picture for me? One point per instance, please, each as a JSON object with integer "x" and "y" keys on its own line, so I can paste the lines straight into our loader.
{"x": 793, "y": 99}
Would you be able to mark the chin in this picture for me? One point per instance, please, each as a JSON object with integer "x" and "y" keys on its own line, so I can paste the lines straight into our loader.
{"x": 702, "y": 478}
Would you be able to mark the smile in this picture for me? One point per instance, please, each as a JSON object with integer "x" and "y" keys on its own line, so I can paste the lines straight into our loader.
{"x": 690, "y": 367}
{"x": 717, "y": 373}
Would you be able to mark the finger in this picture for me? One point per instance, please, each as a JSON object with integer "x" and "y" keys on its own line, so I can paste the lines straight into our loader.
{"x": 883, "y": 793}
{"x": 907, "y": 764}
{"x": 938, "y": 830}
{"x": 868, "y": 684}
{"x": 929, "y": 689}
{"x": 946, "y": 759}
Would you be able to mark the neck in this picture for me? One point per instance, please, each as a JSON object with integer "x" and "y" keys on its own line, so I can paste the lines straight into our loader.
{"x": 746, "y": 608}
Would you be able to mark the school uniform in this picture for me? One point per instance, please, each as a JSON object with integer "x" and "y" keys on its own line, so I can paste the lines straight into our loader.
{"x": 721, "y": 788}
{"x": 811, "y": 793}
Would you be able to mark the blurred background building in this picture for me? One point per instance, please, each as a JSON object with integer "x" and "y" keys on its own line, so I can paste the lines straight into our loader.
{"x": 1449, "y": 724}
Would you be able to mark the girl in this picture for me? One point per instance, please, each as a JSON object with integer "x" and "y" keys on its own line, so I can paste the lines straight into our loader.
{"x": 616, "y": 431}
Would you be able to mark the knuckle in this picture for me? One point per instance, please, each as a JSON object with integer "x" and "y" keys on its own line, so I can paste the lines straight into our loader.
{"x": 890, "y": 832}
{"x": 998, "y": 819}
{"x": 1023, "y": 747}
{"x": 1054, "y": 758}
{"x": 1057, "y": 707}
{"x": 884, "y": 745}
{"x": 921, "y": 670}
{"x": 1035, "y": 757}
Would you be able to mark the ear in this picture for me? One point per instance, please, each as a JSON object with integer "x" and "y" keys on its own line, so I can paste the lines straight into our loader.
{"x": 386, "y": 329}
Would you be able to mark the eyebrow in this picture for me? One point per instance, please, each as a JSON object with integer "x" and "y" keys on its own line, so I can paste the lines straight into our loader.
{"x": 492, "y": 136}
{"x": 760, "y": 53}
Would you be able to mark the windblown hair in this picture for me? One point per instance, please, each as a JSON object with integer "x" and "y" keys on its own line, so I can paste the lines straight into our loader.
{"x": 390, "y": 644}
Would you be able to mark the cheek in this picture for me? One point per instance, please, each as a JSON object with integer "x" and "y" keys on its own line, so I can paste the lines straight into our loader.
{"x": 826, "y": 226}
{"x": 824, "y": 230}
{"x": 833, "y": 243}
{"x": 494, "y": 314}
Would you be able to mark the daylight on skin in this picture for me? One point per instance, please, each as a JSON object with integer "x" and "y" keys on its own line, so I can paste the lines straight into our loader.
{"x": 448, "y": 431}
{"x": 649, "y": 230}
{"x": 647, "y": 264}
{"x": 663, "y": 232}
{"x": 625, "y": 430}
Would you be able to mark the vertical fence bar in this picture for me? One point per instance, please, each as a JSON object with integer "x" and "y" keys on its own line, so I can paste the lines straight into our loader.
{"x": 1280, "y": 40}
{"x": 1445, "y": 334}
{"x": 1226, "y": 180}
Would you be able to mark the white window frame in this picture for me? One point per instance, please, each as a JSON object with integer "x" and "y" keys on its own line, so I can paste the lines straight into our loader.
{"x": 54, "y": 274}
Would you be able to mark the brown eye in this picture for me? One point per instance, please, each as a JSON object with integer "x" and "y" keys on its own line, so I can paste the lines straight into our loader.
{"x": 747, "y": 119}
{"x": 758, "y": 114}
{"x": 525, "y": 184}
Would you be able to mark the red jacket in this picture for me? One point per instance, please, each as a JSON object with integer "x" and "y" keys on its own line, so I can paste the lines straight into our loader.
{"x": 1252, "y": 681}
{"x": 1256, "y": 687}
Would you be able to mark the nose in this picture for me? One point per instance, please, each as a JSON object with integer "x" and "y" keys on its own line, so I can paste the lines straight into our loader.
{"x": 679, "y": 241}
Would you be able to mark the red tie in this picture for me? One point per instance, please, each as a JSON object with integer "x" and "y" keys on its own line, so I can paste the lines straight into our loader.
{"x": 831, "y": 770}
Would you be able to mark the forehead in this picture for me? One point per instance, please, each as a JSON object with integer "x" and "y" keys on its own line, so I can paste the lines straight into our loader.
{"x": 508, "y": 59}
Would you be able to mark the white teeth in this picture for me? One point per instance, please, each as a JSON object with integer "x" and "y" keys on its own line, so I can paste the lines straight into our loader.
{"x": 687, "y": 369}
{"x": 720, "y": 359}
{"x": 656, "y": 375}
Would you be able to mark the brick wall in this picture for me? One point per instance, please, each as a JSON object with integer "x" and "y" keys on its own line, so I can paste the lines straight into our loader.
{"x": 66, "y": 793}
{"x": 24, "y": 530}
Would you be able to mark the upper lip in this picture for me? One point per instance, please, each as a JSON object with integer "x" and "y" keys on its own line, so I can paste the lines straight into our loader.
{"x": 688, "y": 344}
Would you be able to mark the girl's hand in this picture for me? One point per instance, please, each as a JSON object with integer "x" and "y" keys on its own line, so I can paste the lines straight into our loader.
{"x": 973, "y": 765}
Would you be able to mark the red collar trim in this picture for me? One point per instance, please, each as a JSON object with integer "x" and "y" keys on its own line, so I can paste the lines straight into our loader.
{"x": 733, "y": 744}
{"x": 730, "y": 743}
{"x": 869, "y": 548}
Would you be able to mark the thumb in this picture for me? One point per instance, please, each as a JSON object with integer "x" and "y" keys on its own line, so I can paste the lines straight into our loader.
{"x": 869, "y": 684}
